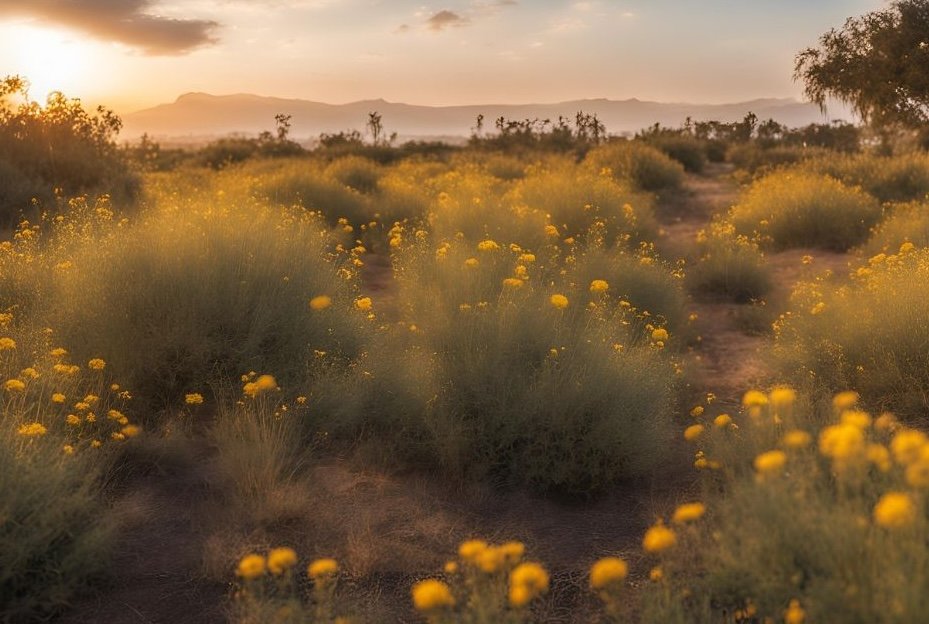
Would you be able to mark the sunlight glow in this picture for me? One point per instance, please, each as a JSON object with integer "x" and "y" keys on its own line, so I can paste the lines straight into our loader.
{"x": 52, "y": 60}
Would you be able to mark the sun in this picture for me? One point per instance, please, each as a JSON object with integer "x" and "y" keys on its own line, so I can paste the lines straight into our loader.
{"x": 51, "y": 60}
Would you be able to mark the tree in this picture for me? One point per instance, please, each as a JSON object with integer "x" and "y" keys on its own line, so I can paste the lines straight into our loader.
{"x": 877, "y": 63}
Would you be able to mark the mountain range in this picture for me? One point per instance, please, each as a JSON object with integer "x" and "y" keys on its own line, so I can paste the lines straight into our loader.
{"x": 201, "y": 115}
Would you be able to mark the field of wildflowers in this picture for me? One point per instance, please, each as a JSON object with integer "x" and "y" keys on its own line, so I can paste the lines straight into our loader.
{"x": 483, "y": 326}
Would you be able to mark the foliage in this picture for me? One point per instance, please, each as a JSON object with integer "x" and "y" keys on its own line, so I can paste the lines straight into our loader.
{"x": 730, "y": 266}
{"x": 876, "y": 63}
{"x": 867, "y": 335}
{"x": 58, "y": 148}
{"x": 646, "y": 167}
{"x": 798, "y": 209}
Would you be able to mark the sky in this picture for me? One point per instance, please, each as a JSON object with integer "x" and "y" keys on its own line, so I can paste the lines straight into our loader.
{"x": 132, "y": 54}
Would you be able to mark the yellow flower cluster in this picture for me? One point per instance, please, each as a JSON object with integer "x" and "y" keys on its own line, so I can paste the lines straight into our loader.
{"x": 263, "y": 384}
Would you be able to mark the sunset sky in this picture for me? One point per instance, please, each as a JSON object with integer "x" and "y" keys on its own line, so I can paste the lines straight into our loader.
{"x": 130, "y": 54}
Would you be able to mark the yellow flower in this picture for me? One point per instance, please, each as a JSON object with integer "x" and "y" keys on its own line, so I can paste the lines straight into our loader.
{"x": 754, "y": 398}
{"x": 117, "y": 436}
{"x": 794, "y": 613}
{"x": 14, "y": 385}
{"x": 722, "y": 421}
{"x": 73, "y": 420}
{"x": 656, "y": 574}
{"x": 843, "y": 442}
{"x": 782, "y": 398}
{"x": 193, "y": 398}
{"x": 599, "y": 286}
{"x": 796, "y": 439}
{"x": 660, "y": 335}
{"x": 322, "y": 568}
{"x": 131, "y": 431}
{"x": 112, "y": 414}
{"x": 856, "y": 418}
{"x": 608, "y": 571}
{"x": 513, "y": 282}
{"x": 59, "y": 352}
{"x": 528, "y": 258}
{"x": 693, "y": 432}
{"x": 363, "y": 303}
{"x": 512, "y": 551}
{"x": 432, "y": 595}
{"x": 895, "y": 510}
{"x": 530, "y": 576}
{"x": 489, "y": 560}
{"x": 32, "y": 430}
{"x": 658, "y": 538}
{"x": 487, "y": 245}
{"x": 67, "y": 449}
{"x": 251, "y": 567}
{"x": 280, "y": 560}
{"x": 264, "y": 383}
{"x": 770, "y": 463}
{"x": 521, "y": 272}
{"x": 96, "y": 443}
{"x": 471, "y": 262}
{"x": 559, "y": 301}
{"x": 551, "y": 230}
{"x": 697, "y": 411}
{"x": 320, "y": 302}
{"x": 470, "y": 550}
{"x": 907, "y": 444}
{"x": 29, "y": 373}
{"x": 879, "y": 456}
{"x": 451, "y": 567}
{"x": 96, "y": 364}
{"x": 7, "y": 344}
{"x": 688, "y": 512}
{"x": 845, "y": 400}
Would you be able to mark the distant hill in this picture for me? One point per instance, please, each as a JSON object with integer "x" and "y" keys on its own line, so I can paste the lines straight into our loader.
{"x": 202, "y": 115}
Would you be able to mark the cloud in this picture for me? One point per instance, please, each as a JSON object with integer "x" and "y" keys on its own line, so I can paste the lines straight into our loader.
{"x": 445, "y": 19}
{"x": 132, "y": 22}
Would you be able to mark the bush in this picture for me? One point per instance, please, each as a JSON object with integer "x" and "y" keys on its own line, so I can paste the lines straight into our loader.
{"x": 833, "y": 531}
{"x": 905, "y": 223}
{"x": 493, "y": 381}
{"x": 889, "y": 178}
{"x": 792, "y": 209}
{"x": 195, "y": 294}
{"x": 684, "y": 148}
{"x": 58, "y": 148}
{"x": 730, "y": 266}
{"x": 646, "y": 167}
{"x": 754, "y": 158}
{"x": 58, "y": 436}
{"x": 303, "y": 184}
{"x": 867, "y": 336}
{"x": 356, "y": 173}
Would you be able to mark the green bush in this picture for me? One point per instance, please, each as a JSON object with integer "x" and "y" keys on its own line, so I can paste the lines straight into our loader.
{"x": 56, "y": 148}
{"x": 646, "y": 167}
{"x": 730, "y": 267}
{"x": 867, "y": 335}
{"x": 356, "y": 172}
{"x": 889, "y": 178}
{"x": 798, "y": 520}
{"x": 904, "y": 223}
{"x": 195, "y": 294}
{"x": 490, "y": 380}
{"x": 684, "y": 148}
{"x": 794, "y": 209}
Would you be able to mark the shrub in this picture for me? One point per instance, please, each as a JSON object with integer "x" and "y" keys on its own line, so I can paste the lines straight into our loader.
{"x": 195, "y": 294}
{"x": 817, "y": 513}
{"x": 754, "y": 158}
{"x": 889, "y": 178}
{"x": 56, "y": 146}
{"x": 60, "y": 426}
{"x": 356, "y": 172}
{"x": 646, "y": 167}
{"x": 498, "y": 381}
{"x": 867, "y": 335}
{"x": 684, "y": 148}
{"x": 303, "y": 184}
{"x": 787, "y": 209}
{"x": 904, "y": 223}
{"x": 730, "y": 266}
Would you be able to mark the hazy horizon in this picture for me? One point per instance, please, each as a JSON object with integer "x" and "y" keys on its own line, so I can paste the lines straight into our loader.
{"x": 140, "y": 53}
